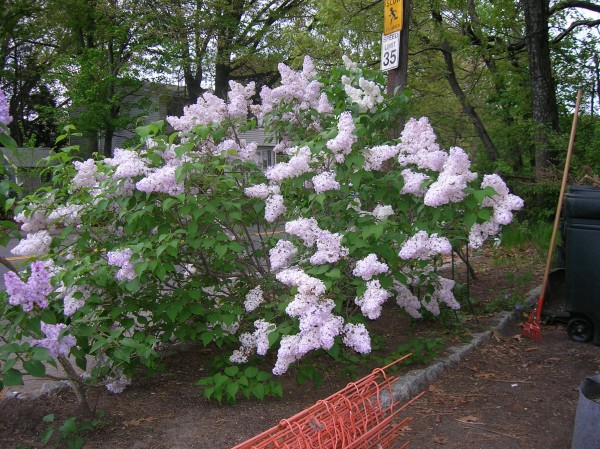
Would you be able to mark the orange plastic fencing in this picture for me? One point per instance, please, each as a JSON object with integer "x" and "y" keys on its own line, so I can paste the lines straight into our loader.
{"x": 363, "y": 415}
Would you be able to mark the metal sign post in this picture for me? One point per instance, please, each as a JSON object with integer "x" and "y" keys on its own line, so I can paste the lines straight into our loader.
{"x": 395, "y": 20}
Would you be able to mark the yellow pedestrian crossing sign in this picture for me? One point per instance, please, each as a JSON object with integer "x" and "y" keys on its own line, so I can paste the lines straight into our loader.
{"x": 392, "y": 16}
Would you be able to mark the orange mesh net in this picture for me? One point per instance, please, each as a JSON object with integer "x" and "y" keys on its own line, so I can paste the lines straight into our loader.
{"x": 362, "y": 415}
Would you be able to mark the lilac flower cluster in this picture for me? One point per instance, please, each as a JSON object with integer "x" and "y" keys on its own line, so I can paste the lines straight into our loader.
{"x": 118, "y": 385}
{"x": 376, "y": 156}
{"x": 254, "y": 298}
{"x": 128, "y": 163}
{"x": 372, "y": 299}
{"x": 55, "y": 343}
{"x": 382, "y": 212}
{"x": 162, "y": 179}
{"x": 318, "y": 326}
{"x": 34, "y": 244}
{"x": 406, "y": 299}
{"x": 87, "y": 174}
{"x": 423, "y": 246}
{"x": 413, "y": 183}
{"x": 281, "y": 255}
{"x": 298, "y": 164}
{"x": 297, "y": 88}
{"x": 274, "y": 204}
{"x": 325, "y": 181}
{"x": 5, "y": 117}
{"x": 211, "y": 109}
{"x": 121, "y": 259}
{"x": 356, "y": 336}
{"x": 68, "y": 215}
{"x": 32, "y": 293}
{"x": 452, "y": 181}
{"x": 256, "y": 342}
{"x": 367, "y": 96}
{"x": 73, "y": 298}
{"x": 341, "y": 145}
{"x": 503, "y": 205}
{"x": 329, "y": 245}
{"x": 418, "y": 146}
{"x": 368, "y": 267}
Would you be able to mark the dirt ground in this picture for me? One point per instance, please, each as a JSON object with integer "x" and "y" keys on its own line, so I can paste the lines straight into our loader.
{"x": 508, "y": 393}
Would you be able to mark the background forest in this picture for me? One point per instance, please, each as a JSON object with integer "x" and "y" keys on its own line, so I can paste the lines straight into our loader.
{"x": 499, "y": 78}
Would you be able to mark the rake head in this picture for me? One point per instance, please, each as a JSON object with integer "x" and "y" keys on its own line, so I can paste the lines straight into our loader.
{"x": 532, "y": 329}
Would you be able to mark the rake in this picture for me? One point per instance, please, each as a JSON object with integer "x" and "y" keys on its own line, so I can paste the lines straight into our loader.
{"x": 532, "y": 329}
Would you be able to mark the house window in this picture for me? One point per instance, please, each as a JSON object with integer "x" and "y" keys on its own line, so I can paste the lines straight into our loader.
{"x": 266, "y": 157}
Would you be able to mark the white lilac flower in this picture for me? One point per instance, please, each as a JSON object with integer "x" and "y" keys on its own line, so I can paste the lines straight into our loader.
{"x": 274, "y": 207}
{"x": 257, "y": 191}
{"x": 304, "y": 228}
{"x": 503, "y": 203}
{"x": 162, "y": 180}
{"x": 341, "y": 145}
{"x": 423, "y": 246}
{"x": 297, "y": 87}
{"x": 5, "y": 117}
{"x": 281, "y": 255}
{"x": 325, "y": 181}
{"x": 296, "y": 166}
{"x": 407, "y": 300}
{"x": 34, "y": 221}
{"x": 254, "y": 298}
{"x": 418, "y": 146}
{"x": 368, "y": 267}
{"x": 329, "y": 248}
{"x": 128, "y": 163}
{"x": 356, "y": 336}
{"x": 376, "y": 156}
{"x": 452, "y": 181}
{"x": 382, "y": 212}
{"x": 121, "y": 259}
{"x": 372, "y": 300}
{"x": 413, "y": 182}
{"x": 87, "y": 174}
{"x": 36, "y": 244}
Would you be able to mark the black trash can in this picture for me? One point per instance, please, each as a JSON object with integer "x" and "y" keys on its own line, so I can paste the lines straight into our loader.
{"x": 582, "y": 262}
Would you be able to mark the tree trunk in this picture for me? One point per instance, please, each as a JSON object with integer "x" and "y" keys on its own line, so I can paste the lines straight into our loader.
{"x": 544, "y": 109}
{"x": 446, "y": 49}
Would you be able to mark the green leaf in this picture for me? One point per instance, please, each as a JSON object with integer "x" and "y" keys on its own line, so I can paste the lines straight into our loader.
{"x": 47, "y": 434}
{"x": 35, "y": 368}
{"x": 232, "y": 389}
{"x": 258, "y": 391}
{"x": 263, "y": 375}
{"x": 334, "y": 274}
{"x": 12, "y": 377}
{"x": 221, "y": 250}
{"x": 231, "y": 371}
{"x": 251, "y": 372}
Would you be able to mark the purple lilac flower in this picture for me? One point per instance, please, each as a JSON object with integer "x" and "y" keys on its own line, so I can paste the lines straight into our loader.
{"x": 54, "y": 342}
{"x": 30, "y": 294}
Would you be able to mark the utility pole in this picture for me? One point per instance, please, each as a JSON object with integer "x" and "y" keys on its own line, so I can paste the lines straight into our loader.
{"x": 395, "y": 21}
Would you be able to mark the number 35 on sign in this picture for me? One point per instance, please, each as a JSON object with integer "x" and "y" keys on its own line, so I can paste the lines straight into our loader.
{"x": 390, "y": 51}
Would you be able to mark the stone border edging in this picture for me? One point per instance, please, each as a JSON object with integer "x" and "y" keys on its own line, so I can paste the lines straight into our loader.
{"x": 412, "y": 383}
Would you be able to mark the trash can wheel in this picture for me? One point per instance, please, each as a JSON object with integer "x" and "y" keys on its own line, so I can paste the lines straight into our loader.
{"x": 580, "y": 329}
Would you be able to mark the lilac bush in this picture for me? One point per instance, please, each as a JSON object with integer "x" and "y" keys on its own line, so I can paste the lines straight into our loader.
{"x": 184, "y": 237}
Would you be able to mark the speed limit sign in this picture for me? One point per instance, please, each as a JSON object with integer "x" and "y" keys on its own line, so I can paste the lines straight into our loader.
{"x": 390, "y": 51}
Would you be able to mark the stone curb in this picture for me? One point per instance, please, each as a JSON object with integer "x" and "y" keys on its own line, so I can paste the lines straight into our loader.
{"x": 414, "y": 382}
